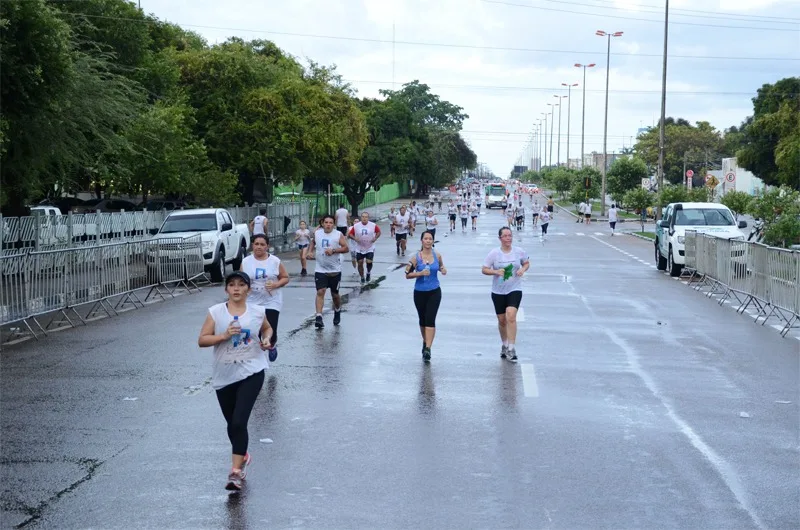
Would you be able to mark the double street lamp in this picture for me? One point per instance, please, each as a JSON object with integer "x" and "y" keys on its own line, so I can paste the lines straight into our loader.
{"x": 569, "y": 113}
{"x": 601, "y": 33}
{"x": 583, "y": 112}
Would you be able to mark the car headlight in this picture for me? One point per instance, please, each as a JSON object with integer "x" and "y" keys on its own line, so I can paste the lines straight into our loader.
{"x": 681, "y": 239}
{"x": 207, "y": 245}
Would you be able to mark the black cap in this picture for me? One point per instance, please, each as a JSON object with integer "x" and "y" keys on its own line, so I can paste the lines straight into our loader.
{"x": 238, "y": 274}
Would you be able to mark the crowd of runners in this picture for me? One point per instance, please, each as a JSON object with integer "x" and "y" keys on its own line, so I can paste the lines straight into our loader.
{"x": 244, "y": 329}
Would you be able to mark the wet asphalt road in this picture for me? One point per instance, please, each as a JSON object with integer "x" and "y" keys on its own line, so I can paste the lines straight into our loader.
{"x": 625, "y": 410}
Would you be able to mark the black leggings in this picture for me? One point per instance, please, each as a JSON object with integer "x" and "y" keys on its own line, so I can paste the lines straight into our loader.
{"x": 236, "y": 401}
{"x": 272, "y": 318}
{"x": 464, "y": 222}
{"x": 544, "y": 228}
{"x": 427, "y": 303}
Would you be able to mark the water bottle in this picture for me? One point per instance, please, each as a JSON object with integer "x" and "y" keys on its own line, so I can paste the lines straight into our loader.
{"x": 238, "y": 337}
{"x": 427, "y": 268}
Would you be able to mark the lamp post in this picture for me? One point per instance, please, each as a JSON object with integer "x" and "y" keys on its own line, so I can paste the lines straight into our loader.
{"x": 558, "y": 149}
{"x": 601, "y": 33}
{"x": 661, "y": 139}
{"x": 552, "y": 113}
{"x": 544, "y": 139}
{"x": 583, "y": 112}
{"x": 569, "y": 113}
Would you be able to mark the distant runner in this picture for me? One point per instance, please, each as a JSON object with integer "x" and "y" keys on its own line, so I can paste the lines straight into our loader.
{"x": 326, "y": 248}
{"x": 364, "y": 233}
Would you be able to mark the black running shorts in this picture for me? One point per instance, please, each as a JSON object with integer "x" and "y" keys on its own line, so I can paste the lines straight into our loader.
{"x": 400, "y": 237}
{"x": 330, "y": 281}
{"x": 503, "y": 301}
{"x": 369, "y": 256}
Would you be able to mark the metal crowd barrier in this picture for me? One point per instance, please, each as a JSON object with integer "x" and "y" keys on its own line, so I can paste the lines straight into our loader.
{"x": 283, "y": 219}
{"x": 53, "y": 232}
{"x": 59, "y": 281}
{"x": 753, "y": 274}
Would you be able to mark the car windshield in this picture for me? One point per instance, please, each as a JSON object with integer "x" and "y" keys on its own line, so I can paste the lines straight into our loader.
{"x": 703, "y": 217}
{"x": 496, "y": 190}
{"x": 189, "y": 223}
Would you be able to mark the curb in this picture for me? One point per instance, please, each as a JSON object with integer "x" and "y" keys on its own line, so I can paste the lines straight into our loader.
{"x": 639, "y": 236}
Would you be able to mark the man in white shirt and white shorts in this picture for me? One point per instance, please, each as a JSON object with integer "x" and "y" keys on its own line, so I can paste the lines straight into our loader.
{"x": 365, "y": 233}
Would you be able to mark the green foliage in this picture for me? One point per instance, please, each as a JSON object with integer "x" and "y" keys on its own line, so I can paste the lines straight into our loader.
{"x": 427, "y": 108}
{"x": 698, "y": 194}
{"x": 779, "y": 208}
{"x": 638, "y": 199}
{"x": 739, "y": 202}
{"x": 578, "y": 192}
{"x": 624, "y": 175}
{"x": 562, "y": 181}
{"x": 772, "y": 135}
{"x": 672, "y": 194}
{"x": 530, "y": 177}
{"x": 694, "y": 142}
{"x": 784, "y": 232}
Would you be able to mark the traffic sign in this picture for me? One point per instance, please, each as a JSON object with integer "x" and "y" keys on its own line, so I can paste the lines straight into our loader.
{"x": 730, "y": 177}
{"x": 689, "y": 173}
{"x": 711, "y": 181}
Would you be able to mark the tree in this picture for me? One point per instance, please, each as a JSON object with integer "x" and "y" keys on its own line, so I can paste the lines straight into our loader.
{"x": 671, "y": 194}
{"x": 427, "y": 108}
{"x": 772, "y": 148}
{"x": 698, "y": 194}
{"x": 639, "y": 199}
{"x": 683, "y": 142}
{"x": 625, "y": 174}
{"x": 562, "y": 181}
{"x": 578, "y": 192}
{"x": 779, "y": 209}
{"x": 390, "y": 150}
{"x": 738, "y": 201}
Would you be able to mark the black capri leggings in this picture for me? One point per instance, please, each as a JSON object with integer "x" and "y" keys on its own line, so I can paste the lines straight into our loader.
{"x": 236, "y": 401}
{"x": 464, "y": 222}
{"x": 272, "y": 317}
{"x": 427, "y": 303}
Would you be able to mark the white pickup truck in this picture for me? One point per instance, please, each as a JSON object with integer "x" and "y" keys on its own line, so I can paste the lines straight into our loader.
{"x": 223, "y": 242}
{"x": 702, "y": 217}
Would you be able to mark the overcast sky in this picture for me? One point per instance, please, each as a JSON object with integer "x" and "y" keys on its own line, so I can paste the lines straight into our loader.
{"x": 504, "y": 60}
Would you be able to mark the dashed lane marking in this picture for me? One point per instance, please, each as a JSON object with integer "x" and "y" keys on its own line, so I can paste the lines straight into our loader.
{"x": 529, "y": 385}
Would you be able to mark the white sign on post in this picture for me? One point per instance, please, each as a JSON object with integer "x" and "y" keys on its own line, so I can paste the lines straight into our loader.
{"x": 646, "y": 184}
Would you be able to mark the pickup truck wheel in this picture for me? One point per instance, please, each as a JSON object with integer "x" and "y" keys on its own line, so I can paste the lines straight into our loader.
{"x": 661, "y": 263}
{"x": 674, "y": 269}
{"x": 218, "y": 267}
{"x": 237, "y": 261}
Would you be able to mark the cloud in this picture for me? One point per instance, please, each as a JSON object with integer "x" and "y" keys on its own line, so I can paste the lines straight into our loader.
{"x": 505, "y": 90}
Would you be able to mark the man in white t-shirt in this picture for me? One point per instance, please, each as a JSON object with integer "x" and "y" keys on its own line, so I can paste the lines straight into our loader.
{"x": 342, "y": 216}
{"x": 402, "y": 224}
{"x": 581, "y": 212}
{"x": 326, "y": 248}
{"x": 259, "y": 223}
{"x": 365, "y": 233}
{"x": 613, "y": 215}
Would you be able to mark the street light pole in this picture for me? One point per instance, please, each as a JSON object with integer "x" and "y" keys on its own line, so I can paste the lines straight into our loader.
{"x": 605, "y": 121}
{"x": 569, "y": 113}
{"x": 583, "y": 112}
{"x": 661, "y": 131}
{"x": 544, "y": 138}
{"x": 553, "y": 113}
{"x": 558, "y": 149}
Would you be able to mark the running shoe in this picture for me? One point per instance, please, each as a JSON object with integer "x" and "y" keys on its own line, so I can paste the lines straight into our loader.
{"x": 504, "y": 352}
{"x": 363, "y": 280}
{"x": 337, "y": 317}
{"x": 234, "y": 481}
{"x": 318, "y": 322}
{"x": 303, "y": 273}
{"x": 245, "y": 464}
{"x": 512, "y": 354}
{"x": 273, "y": 353}
{"x": 369, "y": 277}
{"x": 426, "y": 354}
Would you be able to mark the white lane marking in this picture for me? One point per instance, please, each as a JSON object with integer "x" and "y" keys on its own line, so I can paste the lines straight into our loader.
{"x": 559, "y": 234}
{"x": 579, "y": 234}
{"x": 726, "y": 472}
{"x": 529, "y": 385}
{"x": 599, "y": 234}
{"x": 521, "y": 313}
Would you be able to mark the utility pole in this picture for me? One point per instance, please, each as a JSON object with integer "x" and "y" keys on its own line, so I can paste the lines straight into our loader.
{"x": 553, "y": 105}
{"x": 662, "y": 127}
{"x": 569, "y": 112}
{"x": 558, "y": 149}
{"x": 605, "y": 121}
{"x": 583, "y": 112}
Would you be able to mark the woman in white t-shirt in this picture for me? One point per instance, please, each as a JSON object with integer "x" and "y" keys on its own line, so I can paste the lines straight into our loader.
{"x": 302, "y": 237}
{"x": 431, "y": 223}
{"x": 233, "y": 328}
{"x": 613, "y": 215}
{"x": 506, "y": 265}
{"x": 267, "y": 275}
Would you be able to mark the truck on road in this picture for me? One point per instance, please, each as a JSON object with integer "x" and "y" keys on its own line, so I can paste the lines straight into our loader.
{"x": 223, "y": 241}
{"x": 702, "y": 217}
